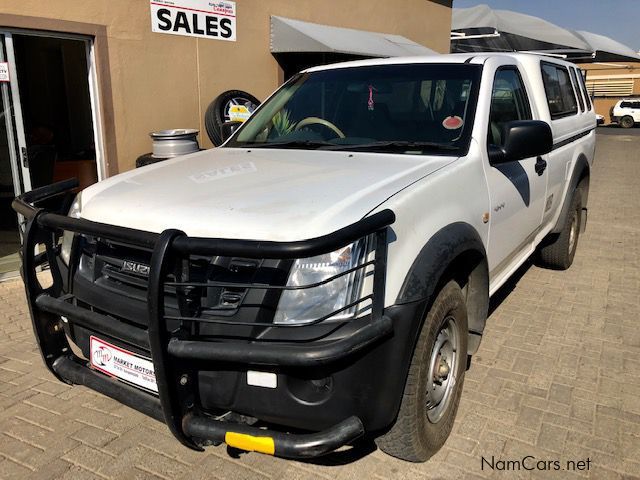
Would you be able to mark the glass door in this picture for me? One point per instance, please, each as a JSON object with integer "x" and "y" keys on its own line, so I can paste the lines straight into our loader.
{"x": 14, "y": 172}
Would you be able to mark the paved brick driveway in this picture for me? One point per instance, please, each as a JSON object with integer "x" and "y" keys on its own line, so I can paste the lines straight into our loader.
{"x": 557, "y": 377}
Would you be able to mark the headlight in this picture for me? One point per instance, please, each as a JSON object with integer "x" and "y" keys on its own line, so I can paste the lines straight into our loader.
{"x": 67, "y": 237}
{"x": 307, "y": 305}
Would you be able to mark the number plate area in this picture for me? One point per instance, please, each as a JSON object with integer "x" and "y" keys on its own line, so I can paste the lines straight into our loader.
{"x": 122, "y": 364}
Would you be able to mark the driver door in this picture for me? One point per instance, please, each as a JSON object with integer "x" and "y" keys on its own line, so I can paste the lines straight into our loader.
{"x": 517, "y": 189}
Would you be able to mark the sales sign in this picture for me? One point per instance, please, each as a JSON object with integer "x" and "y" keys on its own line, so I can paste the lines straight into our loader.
{"x": 195, "y": 18}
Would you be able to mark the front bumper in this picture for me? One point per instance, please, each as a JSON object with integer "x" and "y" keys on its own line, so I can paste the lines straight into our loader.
{"x": 180, "y": 354}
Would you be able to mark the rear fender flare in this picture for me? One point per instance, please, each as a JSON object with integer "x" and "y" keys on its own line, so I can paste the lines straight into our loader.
{"x": 580, "y": 171}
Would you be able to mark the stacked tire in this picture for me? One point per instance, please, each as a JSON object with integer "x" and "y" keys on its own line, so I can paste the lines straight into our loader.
{"x": 218, "y": 111}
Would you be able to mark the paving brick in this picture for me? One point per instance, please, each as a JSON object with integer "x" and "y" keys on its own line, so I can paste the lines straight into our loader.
{"x": 552, "y": 437}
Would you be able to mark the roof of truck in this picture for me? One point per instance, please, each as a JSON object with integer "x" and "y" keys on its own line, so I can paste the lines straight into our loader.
{"x": 475, "y": 58}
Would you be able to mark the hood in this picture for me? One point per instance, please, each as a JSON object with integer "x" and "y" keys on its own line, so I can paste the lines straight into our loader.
{"x": 259, "y": 194}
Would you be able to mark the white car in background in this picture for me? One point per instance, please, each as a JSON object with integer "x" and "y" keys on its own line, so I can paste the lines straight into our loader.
{"x": 626, "y": 112}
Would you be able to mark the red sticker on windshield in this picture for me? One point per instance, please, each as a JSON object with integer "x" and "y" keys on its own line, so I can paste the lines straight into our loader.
{"x": 452, "y": 122}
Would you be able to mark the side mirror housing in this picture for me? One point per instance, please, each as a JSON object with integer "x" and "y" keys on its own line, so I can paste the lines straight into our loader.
{"x": 228, "y": 128}
{"x": 522, "y": 139}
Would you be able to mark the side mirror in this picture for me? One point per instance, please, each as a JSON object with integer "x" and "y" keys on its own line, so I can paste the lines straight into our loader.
{"x": 522, "y": 139}
{"x": 228, "y": 128}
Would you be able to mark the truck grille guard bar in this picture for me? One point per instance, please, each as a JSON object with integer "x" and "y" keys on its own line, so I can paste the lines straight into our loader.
{"x": 175, "y": 355}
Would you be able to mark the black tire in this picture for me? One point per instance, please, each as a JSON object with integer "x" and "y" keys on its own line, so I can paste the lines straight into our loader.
{"x": 415, "y": 437}
{"x": 627, "y": 121}
{"x": 559, "y": 249}
{"x": 147, "y": 159}
{"x": 217, "y": 112}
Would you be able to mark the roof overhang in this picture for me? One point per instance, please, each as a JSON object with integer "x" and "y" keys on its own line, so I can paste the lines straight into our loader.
{"x": 481, "y": 28}
{"x": 514, "y": 23}
{"x": 296, "y": 36}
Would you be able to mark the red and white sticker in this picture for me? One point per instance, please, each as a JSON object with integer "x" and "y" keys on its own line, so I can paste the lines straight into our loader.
{"x": 127, "y": 366}
{"x": 453, "y": 122}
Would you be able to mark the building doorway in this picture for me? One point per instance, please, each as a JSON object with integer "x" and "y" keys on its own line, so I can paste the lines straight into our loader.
{"x": 48, "y": 128}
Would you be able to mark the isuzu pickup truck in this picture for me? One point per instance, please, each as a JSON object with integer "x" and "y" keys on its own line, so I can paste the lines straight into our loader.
{"x": 325, "y": 275}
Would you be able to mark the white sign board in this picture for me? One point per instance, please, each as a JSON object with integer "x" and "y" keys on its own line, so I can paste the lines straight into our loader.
{"x": 4, "y": 72}
{"x": 214, "y": 19}
{"x": 117, "y": 362}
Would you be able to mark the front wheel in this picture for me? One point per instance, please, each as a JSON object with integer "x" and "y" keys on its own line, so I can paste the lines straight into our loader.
{"x": 434, "y": 383}
{"x": 626, "y": 121}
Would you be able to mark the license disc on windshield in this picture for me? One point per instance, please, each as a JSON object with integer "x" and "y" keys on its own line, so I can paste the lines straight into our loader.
{"x": 122, "y": 364}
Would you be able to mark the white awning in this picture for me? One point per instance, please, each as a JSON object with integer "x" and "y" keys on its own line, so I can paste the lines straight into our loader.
{"x": 601, "y": 44}
{"x": 515, "y": 23}
{"x": 530, "y": 30}
{"x": 295, "y": 36}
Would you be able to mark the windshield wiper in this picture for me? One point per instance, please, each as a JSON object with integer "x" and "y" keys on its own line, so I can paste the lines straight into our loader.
{"x": 395, "y": 145}
{"x": 288, "y": 144}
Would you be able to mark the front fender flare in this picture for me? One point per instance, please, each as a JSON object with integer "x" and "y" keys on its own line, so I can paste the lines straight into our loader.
{"x": 454, "y": 249}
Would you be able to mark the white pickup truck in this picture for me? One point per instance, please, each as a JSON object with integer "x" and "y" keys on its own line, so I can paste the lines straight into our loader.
{"x": 326, "y": 273}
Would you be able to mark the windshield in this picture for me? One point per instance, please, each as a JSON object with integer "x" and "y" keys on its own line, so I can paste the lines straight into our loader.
{"x": 403, "y": 108}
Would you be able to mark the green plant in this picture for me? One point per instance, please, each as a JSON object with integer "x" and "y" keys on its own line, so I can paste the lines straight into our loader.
{"x": 282, "y": 122}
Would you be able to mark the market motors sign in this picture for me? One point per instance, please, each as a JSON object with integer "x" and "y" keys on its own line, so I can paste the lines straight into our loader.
{"x": 195, "y": 18}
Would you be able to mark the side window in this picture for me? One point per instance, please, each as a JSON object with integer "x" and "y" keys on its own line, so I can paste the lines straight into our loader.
{"x": 509, "y": 102}
{"x": 625, "y": 105}
{"x": 557, "y": 86}
{"x": 576, "y": 87}
{"x": 585, "y": 92}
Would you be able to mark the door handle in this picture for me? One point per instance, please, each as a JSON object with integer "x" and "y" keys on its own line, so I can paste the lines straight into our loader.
{"x": 541, "y": 166}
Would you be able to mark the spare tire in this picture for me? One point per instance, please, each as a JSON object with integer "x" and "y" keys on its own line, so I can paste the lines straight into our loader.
{"x": 218, "y": 111}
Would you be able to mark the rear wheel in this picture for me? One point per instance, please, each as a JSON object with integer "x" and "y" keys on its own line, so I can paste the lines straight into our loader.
{"x": 434, "y": 383}
{"x": 560, "y": 249}
{"x": 626, "y": 121}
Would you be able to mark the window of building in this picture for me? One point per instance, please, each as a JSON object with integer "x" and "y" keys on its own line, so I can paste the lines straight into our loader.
{"x": 560, "y": 95}
{"x": 509, "y": 102}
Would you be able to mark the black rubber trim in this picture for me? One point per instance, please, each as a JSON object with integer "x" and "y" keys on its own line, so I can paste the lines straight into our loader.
{"x": 438, "y": 253}
{"x": 94, "y": 321}
{"x": 293, "y": 446}
{"x": 582, "y": 166}
{"x": 73, "y": 372}
{"x": 571, "y": 139}
{"x": 290, "y": 354}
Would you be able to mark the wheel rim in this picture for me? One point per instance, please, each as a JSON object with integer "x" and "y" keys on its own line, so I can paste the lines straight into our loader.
{"x": 443, "y": 365}
{"x": 238, "y": 101}
{"x": 573, "y": 233}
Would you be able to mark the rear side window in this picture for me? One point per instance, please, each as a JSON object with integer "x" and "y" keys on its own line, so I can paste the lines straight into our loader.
{"x": 630, "y": 105}
{"x": 576, "y": 87}
{"x": 583, "y": 86}
{"x": 560, "y": 95}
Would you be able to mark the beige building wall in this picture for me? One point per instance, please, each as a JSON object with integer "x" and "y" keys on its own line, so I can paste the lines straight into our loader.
{"x": 158, "y": 81}
{"x": 603, "y": 105}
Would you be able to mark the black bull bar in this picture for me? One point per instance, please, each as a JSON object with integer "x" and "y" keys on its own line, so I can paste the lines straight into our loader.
{"x": 174, "y": 356}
